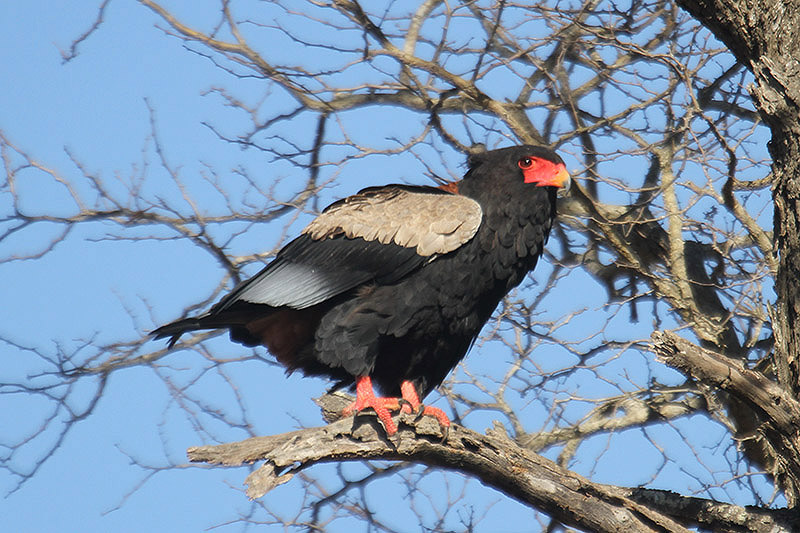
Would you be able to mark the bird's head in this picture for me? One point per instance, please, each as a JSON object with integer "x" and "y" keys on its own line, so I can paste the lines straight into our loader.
{"x": 539, "y": 166}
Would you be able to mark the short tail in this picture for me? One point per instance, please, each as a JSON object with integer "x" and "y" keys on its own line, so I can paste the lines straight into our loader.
{"x": 174, "y": 330}
{"x": 233, "y": 318}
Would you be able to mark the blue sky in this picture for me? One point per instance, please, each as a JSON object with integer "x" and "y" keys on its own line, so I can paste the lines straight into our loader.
{"x": 98, "y": 111}
{"x": 94, "y": 107}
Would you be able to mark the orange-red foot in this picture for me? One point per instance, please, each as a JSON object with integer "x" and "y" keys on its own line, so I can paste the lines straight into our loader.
{"x": 409, "y": 403}
{"x": 409, "y": 392}
{"x": 365, "y": 398}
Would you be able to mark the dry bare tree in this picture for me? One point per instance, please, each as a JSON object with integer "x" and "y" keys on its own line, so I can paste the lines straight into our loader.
{"x": 664, "y": 111}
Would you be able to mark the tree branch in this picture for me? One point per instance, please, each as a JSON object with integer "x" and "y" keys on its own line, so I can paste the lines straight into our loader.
{"x": 779, "y": 411}
{"x": 720, "y": 516}
{"x": 494, "y": 459}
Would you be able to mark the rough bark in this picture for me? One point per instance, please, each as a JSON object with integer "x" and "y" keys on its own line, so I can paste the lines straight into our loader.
{"x": 778, "y": 410}
{"x": 494, "y": 459}
{"x": 716, "y": 515}
{"x": 765, "y": 36}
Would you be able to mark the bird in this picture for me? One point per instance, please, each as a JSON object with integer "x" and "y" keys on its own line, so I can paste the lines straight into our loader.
{"x": 390, "y": 287}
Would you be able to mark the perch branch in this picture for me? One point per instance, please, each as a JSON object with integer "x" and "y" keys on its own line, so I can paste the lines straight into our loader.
{"x": 494, "y": 459}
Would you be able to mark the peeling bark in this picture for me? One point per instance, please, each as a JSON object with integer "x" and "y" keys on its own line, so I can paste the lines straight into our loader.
{"x": 779, "y": 430}
{"x": 765, "y": 36}
{"x": 496, "y": 460}
{"x": 493, "y": 458}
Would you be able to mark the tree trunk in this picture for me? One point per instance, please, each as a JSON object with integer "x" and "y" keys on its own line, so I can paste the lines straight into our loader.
{"x": 765, "y": 36}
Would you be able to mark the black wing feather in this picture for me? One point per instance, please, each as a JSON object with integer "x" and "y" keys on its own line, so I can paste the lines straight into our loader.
{"x": 307, "y": 272}
{"x": 377, "y": 236}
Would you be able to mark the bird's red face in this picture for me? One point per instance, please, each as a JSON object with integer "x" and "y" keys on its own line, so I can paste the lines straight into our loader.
{"x": 543, "y": 173}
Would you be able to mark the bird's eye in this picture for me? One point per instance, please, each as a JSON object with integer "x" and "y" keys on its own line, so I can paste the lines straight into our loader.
{"x": 525, "y": 163}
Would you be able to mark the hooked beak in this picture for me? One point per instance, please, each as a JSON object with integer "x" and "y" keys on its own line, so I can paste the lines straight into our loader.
{"x": 563, "y": 181}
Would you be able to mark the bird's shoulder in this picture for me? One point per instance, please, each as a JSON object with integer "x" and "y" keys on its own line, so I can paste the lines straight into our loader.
{"x": 429, "y": 219}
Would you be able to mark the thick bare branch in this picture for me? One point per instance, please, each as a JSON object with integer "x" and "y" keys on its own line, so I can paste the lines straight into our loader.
{"x": 496, "y": 461}
{"x": 779, "y": 411}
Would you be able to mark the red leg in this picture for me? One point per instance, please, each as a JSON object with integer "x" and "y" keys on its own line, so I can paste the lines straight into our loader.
{"x": 365, "y": 398}
{"x": 409, "y": 392}
{"x": 409, "y": 403}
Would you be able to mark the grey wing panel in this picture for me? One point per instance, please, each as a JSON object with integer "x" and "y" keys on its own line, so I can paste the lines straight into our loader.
{"x": 299, "y": 285}
{"x": 308, "y": 272}
{"x": 376, "y": 236}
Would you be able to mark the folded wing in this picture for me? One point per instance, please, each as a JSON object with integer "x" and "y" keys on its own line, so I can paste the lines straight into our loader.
{"x": 378, "y": 235}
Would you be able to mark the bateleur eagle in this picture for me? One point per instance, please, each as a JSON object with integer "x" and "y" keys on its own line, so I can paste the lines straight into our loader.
{"x": 392, "y": 285}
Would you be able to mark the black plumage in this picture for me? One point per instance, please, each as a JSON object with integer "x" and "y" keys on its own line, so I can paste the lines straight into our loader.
{"x": 396, "y": 282}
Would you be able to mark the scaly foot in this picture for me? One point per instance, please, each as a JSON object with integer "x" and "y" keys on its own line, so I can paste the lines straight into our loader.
{"x": 383, "y": 407}
{"x": 365, "y": 398}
